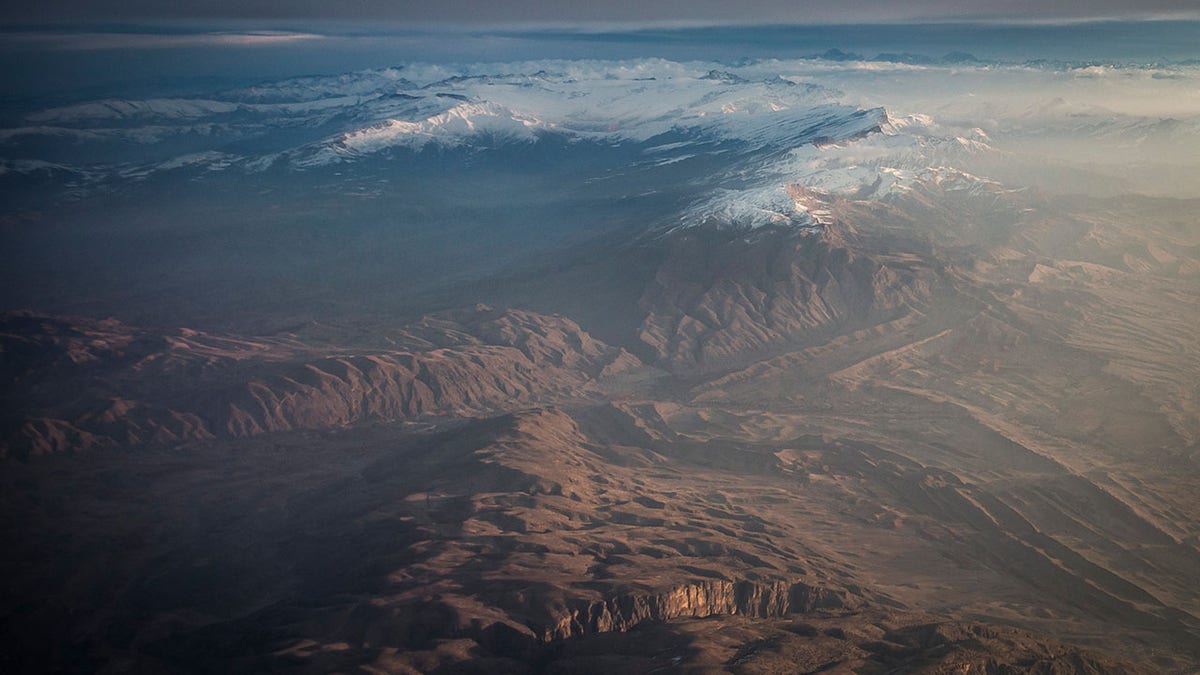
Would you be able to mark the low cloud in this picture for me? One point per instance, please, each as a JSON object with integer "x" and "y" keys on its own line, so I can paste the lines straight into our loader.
{"x": 102, "y": 41}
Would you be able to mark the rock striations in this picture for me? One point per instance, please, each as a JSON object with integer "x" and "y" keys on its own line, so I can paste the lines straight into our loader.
{"x": 703, "y": 599}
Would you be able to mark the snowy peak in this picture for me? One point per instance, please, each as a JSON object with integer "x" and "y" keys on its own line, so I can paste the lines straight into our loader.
{"x": 874, "y": 156}
{"x": 455, "y": 126}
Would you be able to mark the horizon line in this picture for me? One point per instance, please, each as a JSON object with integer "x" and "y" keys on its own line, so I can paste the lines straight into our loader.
{"x": 583, "y": 26}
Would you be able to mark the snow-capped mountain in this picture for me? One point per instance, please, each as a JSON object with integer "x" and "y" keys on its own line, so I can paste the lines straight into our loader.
{"x": 337, "y": 119}
{"x": 740, "y": 135}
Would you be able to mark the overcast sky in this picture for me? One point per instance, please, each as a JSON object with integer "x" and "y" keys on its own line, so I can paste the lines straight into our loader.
{"x": 569, "y": 11}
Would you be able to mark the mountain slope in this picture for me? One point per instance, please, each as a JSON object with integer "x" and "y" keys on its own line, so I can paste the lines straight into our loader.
{"x": 169, "y": 388}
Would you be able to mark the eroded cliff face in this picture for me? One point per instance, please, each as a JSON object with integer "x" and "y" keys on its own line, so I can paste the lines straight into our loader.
{"x": 694, "y": 600}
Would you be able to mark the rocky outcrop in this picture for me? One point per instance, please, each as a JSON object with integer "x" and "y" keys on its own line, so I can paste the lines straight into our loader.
{"x": 696, "y": 600}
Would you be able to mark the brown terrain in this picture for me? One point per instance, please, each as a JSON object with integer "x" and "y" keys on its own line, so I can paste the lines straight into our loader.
{"x": 955, "y": 431}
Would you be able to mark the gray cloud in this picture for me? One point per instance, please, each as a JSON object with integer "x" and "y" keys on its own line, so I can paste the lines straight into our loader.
{"x": 537, "y": 11}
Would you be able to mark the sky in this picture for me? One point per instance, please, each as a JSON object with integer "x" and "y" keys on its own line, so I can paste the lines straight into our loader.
{"x": 575, "y": 11}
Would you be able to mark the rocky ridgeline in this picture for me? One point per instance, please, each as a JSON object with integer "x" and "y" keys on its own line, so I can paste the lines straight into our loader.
{"x": 79, "y": 384}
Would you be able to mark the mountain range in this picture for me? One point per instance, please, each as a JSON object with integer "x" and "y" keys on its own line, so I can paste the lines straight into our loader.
{"x": 595, "y": 366}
